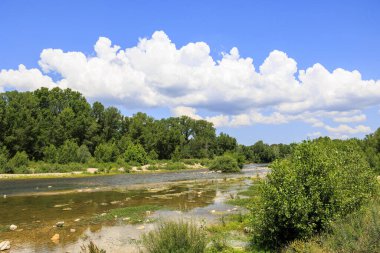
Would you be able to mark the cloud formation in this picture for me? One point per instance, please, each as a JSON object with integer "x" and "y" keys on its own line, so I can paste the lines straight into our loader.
{"x": 155, "y": 73}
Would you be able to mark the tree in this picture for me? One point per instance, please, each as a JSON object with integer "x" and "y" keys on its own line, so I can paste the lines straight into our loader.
{"x": 136, "y": 154}
{"x": 67, "y": 152}
{"x": 226, "y": 164}
{"x": 106, "y": 152}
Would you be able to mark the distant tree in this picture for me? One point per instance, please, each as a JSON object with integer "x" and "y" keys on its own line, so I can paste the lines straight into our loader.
{"x": 106, "y": 152}
{"x": 67, "y": 153}
{"x": 135, "y": 154}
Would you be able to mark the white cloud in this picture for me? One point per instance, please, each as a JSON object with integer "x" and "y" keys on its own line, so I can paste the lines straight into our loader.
{"x": 155, "y": 73}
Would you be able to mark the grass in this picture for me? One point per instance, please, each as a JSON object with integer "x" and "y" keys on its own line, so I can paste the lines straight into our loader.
{"x": 4, "y": 229}
{"x": 91, "y": 248}
{"x": 135, "y": 214}
{"x": 178, "y": 237}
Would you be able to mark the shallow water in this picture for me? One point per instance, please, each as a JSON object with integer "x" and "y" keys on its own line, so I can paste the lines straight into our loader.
{"x": 35, "y": 215}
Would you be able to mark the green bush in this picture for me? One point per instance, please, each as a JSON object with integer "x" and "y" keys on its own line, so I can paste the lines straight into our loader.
{"x": 83, "y": 155}
{"x": 175, "y": 237}
{"x": 18, "y": 164}
{"x": 50, "y": 154}
{"x": 320, "y": 182}
{"x": 226, "y": 164}
{"x": 106, "y": 152}
{"x": 3, "y": 159}
{"x": 67, "y": 152}
{"x": 135, "y": 154}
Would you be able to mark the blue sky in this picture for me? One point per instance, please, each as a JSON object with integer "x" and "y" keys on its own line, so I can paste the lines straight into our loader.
{"x": 335, "y": 34}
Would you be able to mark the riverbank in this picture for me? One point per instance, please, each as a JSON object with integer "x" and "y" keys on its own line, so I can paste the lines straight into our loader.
{"x": 107, "y": 215}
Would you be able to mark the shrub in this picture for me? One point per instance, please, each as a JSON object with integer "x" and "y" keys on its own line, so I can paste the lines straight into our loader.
{"x": 320, "y": 182}
{"x": 179, "y": 237}
{"x": 67, "y": 152}
{"x": 91, "y": 248}
{"x": 83, "y": 155}
{"x": 226, "y": 164}
{"x": 3, "y": 159}
{"x": 135, "y": 154}
{"x": 50, "y": 154}
{"x": 18, "y": 163}
{"x": 106, "y": 152}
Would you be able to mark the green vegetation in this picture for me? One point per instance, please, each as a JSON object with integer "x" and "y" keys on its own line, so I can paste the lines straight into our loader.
{"x": 135, "y": 214}
{"x": 91, "y": 248}
{"x": 320, "y": 182}
{"x": 59, "y": 127}
{"x": 226, "y": 164}
{"x": 178, "y": 237}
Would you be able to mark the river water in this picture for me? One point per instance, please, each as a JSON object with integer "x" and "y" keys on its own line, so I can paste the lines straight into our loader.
{"x": 35, "y": 205}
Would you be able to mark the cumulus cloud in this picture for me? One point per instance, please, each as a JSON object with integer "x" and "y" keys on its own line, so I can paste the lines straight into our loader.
{"x": 156, "y": 73}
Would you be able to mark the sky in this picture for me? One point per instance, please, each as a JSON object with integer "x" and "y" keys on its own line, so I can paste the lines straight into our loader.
{"x": 277, "y": 71}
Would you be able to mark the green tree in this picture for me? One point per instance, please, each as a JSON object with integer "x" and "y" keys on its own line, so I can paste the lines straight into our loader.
{"x": 67, "y": 152}
{"x": 136, "y": 154}
{"x": 226, "y": 164}
{"x": 106, "y": 152}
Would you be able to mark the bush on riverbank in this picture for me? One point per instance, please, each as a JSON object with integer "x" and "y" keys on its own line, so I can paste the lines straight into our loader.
{"x": 179, "y": 237}
{"x": 322, "y": 181}
{"x": 226, "y": 164}
{"x": 358, "y": 232}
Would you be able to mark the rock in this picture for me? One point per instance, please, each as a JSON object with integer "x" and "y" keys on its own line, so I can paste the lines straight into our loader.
{"x": 4, "y": 245}
{"x": 103, "y": 214}
{"x": 61, "y": 205}
{"x": 248, "y": 230}
{"x": 72, "y": 230}
{"x": 147, "y": 212}
{"x": 60, "y": 224}
{"x": 5, "y": 196}
{"x": 212, "y": 211}
{"x": 67, "y": 209}
{"x": 121, "y": 169}
{"x": 103, "y": 204}
{"x": 76, "y": 220}
{"x": 126, "y": 219}
{"x": 92, "y": 170}
{"x": 115, "y": 202}
{"x": 12, "y": 227}
{"x": 55, "y": 238}
{"x": 140, "y": 227}
{"x": 50, "y": 186}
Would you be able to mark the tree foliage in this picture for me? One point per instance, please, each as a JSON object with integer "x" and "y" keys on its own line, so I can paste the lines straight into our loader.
{"x": 321, "y": 181}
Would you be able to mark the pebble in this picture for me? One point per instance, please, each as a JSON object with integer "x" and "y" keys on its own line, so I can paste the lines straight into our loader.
{"x": 55, "y": 238}
{"x": 126, "y": 218}
{"x": 147, "y": 212}
{"x": 76, "y": 220}
{"x": 72, "y": 230}
{"x": 140, "y": 227}
{"x": 103, "y": 214}
{"x": 5, "y": 245}
{"x": 212, "y": 211}
{"x": 5, "y": 196}
{"x": 12, "y": 227}
{"x": 60, "y": 224}
{"x": 67, "y": 209}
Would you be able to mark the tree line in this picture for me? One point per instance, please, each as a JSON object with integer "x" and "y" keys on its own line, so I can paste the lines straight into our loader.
{"x": 60, "y": 126}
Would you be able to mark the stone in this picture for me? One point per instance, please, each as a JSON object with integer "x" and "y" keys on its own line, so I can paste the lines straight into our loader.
{"x": 77, "y": 220}
{"x": 103, "y": 204}
{"x": 140, "y": 227}
{"x": 103, "y": 214}
{"x": 12, "y": 227}
{"x": 55, "y": 238}
{"x": 50, "y": 186}
{"x": 5, "y": 245}
{"x": 5, "y": 196}
{"x": 60, "y": 224}
{"x": 92, "y": 170}
{"x": 212, "y": 211}
{"x": 67, "y": 209}
{"x": 115, "y": 202}
{"x": 126, "y": 219}
{"x": 72, "y": 230}
{"x": 121, "y": 169}
{"x": 147, "y": 212}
